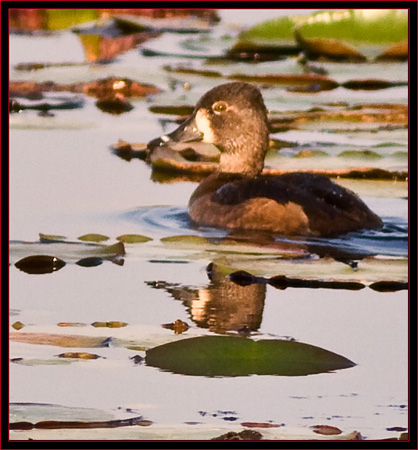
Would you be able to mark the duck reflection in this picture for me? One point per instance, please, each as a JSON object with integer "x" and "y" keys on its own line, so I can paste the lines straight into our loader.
{"x": 223, "y": 306}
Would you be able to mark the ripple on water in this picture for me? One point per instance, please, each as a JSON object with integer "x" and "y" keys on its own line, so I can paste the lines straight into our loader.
{"x": 162, "y": 221}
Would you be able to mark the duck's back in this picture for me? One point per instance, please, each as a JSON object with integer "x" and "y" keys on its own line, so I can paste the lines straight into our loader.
{"x": 291, "y": 204}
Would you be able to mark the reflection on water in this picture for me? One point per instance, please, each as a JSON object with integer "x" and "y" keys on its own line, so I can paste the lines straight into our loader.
{"x": 222, "y": 306}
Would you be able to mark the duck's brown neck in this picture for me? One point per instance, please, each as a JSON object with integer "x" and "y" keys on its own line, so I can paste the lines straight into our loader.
{"x": 248, "y": 163}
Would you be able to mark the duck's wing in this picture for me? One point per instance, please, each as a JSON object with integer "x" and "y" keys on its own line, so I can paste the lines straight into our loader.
{"x": 330, "y": 208}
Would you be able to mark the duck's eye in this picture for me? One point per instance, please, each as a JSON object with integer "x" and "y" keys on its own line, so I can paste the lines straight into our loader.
{"x": 219, "y": 107}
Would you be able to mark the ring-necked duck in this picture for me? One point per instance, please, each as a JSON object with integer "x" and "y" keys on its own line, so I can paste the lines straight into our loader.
{"x": 233, "y": 117}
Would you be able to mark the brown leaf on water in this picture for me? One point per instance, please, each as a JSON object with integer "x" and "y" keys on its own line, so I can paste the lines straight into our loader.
{"x": 61, "y": 424}
{"x": 58, "y": 340}
{"x": 189, "y": 71}
{"x": 40, "y": 264}
{"x": 110, "y": 324}
{"x": 326, "y": 430}
{"x": 372, "y": 84}
{"x": 333, "y": 49}
{"x": 260, "y": 425}
{"x": 18, "y": 325}
{"x": 178, "y": 110}
{"x": 389, "y": 286}
{"x": 245, "y": 435}
{"x": 78, "y": 355}
{"x": 101, "y": 89}
{"x": 114, "y": 104}
{"x": 108, "y": 87}
{"x": 319, "y": 82}
{"x": 178, "y": 326}
{"x": 128, "y": 151}
{"x": 397, "y": 51}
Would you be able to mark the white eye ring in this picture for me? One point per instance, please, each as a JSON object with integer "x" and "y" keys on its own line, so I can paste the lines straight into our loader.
{"x": 219, "y": 107}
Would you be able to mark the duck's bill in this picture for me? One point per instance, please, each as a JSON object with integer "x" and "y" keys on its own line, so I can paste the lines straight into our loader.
{"x": 187, "y": 132}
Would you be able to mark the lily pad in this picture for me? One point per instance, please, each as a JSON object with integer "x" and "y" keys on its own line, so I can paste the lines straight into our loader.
{"x": 111, "y": 324}
{"x": 133, "y": 238}
{"x": 228, "y": 356}
{"x": 78, "y": 355}
{"x": 355, "y": 35}
{"x": 40, "y": 264}
{"x": 131, "y": 23}
{"x": 58, "y": 340}
{"x": 39, "y": 257}
{"x": 60, "y": 19}
{"x": 274, "y": 36}
{"x": 93, "y": 237}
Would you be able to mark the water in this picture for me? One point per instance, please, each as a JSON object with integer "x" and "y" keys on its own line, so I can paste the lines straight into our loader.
{"x": 65, "y": 180}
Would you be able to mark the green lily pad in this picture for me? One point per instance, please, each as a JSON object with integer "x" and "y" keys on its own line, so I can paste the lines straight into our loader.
{"x": 185, "y": 239}
{"x": 362, "y": 154}
{"x": 92, "y": 237}
{"x": 46, "y": 238}
{"x": 233, "y": 356}
{"x": 133, "y": 238}
{"x": 60, "y": 19}
{"x": 357, "y": 35}
{"x": 268, "y": 35}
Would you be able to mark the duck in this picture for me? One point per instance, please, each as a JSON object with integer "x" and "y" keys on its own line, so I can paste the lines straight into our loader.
{"x": 238, "y": 196}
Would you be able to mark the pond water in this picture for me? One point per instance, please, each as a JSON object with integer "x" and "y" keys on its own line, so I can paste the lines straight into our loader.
{"x": 65, "y": 180}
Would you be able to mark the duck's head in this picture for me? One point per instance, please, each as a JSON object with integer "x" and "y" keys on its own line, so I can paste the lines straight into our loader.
{"x": 232, "y": 117}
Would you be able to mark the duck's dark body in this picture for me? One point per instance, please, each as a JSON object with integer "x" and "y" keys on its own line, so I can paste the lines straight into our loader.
{"x": 292, "y": 204}
{"x": 233, "y": 117}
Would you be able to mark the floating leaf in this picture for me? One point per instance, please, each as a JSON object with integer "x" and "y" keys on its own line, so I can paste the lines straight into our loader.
{"x": 40, "y": 264}
{"x": 59, "y": 19}
{"x": 39, "y": 362}
{"x": 244, "y": 435}
{"x": 353, "y": 34}
{"x": 326, "y": 430}
{"x": 92, "y": 237}
{"x": 78, "y": 355}
{"x": 311, "y": 154}
{"x": 71, "y": 324}
{"x": 179, "y": 110}
{"x": 185, "y": 239}
{"x": 91, "y": 261}
{"x": 271, "y": 37}
{"x": 260, "y": 425}
{"x": 397, "y": 51}
{"x": 58, "y": 339}
{"x": 389, "y": 286}
{"x": 234, "y": 356}
{"x": 131, "y": 24}
{"x": 309, "y": 81}
{"x": 363, "y": 154}
{"x": 47, "y": 238}
{"x": 18, "y": 325}
{"x": 127, "y": 151}
{"x": 61, "y": 424}
{"x": 133, "y": 238}
{"x": 116, "y": 104}
{"x": 111, "y": 324}
{"x": 86, "y": 253}
{"x": 178, "y": 326}
{"x": 325, "y": 272}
